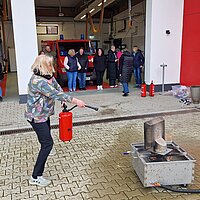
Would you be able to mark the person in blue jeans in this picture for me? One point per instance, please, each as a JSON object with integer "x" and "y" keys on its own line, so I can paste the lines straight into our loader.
{"x": 1, "y": 78}
{"x": 138, "y": 62}
{"x": 72, "y": 66}
{"x": 125, "y": 70}
{"x": 83, "y": 60}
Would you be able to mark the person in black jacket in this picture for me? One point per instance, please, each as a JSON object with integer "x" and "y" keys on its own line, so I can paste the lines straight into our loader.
{"x": 99, "y": 66}
{"x": 83, "y": 60}
{"x": 138, "y": 64}
{"x": 112, "y": 72}
{"x": 1, "y": 78}
{"x": 125, "y": 69}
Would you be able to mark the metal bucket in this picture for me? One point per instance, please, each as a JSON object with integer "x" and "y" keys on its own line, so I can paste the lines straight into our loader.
{"x": 195, "y": 94}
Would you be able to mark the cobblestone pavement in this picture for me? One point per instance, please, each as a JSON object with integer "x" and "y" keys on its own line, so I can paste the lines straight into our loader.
{"x": 110, "y": 102}
{"x": 92, "y": 166}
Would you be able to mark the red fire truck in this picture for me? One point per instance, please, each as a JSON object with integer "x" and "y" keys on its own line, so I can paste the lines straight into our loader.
{"x": 61, "y": 48}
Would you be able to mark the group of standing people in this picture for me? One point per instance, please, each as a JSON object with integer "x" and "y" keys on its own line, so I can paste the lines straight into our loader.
{"x": 119, "y": 64}
{"x": 101, "y": 63}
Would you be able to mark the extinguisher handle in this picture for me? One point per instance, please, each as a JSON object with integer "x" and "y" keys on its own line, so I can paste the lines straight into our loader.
{"x": 91, "y": 107}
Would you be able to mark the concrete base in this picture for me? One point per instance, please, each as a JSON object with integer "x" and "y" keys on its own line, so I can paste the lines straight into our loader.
{"x": 158, "y": 88}
{"x": 22, "y": 99}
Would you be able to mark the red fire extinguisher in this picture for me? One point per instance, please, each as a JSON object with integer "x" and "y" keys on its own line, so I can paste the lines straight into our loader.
{"x": 65, "y": 122}
{"x": 143, "y": 90}
{"x": 151, "y": 89}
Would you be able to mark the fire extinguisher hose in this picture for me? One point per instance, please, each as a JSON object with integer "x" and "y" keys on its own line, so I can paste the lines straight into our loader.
{"x": 87, "y": 106}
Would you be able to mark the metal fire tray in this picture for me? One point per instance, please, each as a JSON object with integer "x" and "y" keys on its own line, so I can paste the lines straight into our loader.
{"x": 174, "y": 168}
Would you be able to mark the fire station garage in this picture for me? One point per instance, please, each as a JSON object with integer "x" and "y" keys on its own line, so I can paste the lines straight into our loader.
{"x": 65, "y": 25}
{"x": 98, "y": 24}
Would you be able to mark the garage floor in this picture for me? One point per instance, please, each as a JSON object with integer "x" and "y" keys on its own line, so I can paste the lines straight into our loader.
{"x": 12, "y": 87}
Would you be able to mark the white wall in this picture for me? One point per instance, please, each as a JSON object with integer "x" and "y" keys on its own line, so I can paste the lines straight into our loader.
{"x": 25, "y": 38}
{"x": 73, "y": 30}
{"x": 70, "y": 30}
{"x": 135, "y": 35}
{"x": 161, "y": 48}
{"x": 9, "y": 34}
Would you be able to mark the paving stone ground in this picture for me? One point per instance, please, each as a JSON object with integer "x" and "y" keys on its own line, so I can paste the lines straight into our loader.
{"x": 92, "y": 166}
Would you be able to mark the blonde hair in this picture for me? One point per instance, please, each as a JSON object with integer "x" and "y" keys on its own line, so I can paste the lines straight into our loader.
{"x": 71, "y": 52}
{"x": 41, "y": 65}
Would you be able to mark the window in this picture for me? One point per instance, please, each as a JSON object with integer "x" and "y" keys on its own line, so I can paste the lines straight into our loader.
{"x": 47, "y": 30}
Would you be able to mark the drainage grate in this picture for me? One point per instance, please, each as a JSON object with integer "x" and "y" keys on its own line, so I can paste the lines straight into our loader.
{"x": 108, "y": 120}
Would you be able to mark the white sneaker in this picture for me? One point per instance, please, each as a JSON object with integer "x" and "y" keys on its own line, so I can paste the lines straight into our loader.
{"x": 101, "y": 87}
{"x": 98, "y": 87}
{"x": 52, "y": 152}
{"x": 40, "y": 181}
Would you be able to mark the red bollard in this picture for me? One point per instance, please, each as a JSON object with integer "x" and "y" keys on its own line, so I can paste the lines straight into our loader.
{"x": 143, "y": 90}
{"x": 151, "y": 89}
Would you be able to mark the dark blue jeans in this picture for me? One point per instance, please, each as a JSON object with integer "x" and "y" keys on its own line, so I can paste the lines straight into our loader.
{"x": 125, "y": 87}
{"x": 137, "y": 75}
{"x": 82, "y": 80}
{"x": 72, "y": 76}
{"x": 44, "y": 136}
{"x": 0, "y": 90}
{"x": 112, "y": 82}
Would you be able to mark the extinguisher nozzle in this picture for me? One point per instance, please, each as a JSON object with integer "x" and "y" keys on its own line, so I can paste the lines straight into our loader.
{"x": 91, "y": 107}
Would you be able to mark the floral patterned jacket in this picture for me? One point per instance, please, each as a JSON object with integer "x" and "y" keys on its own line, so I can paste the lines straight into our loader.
{"x": 41, "y": 97}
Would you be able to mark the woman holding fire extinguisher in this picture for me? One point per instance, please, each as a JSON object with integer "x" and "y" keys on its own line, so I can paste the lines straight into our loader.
{"x": 43, "y": 90}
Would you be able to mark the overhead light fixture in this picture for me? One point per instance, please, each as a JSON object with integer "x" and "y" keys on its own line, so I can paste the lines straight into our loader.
{"x": 91, "y": 37}
{"x": 60, "y": 14}
{"x": 101, "y": 3}
{"x": 91, "y": 10}
{"x": 83, "y": 16}
{"x": 90, "y": 7}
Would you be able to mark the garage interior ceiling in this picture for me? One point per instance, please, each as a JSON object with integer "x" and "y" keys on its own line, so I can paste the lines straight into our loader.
{"x": 73, "y": 9}
{"x": 56, "y": 3}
